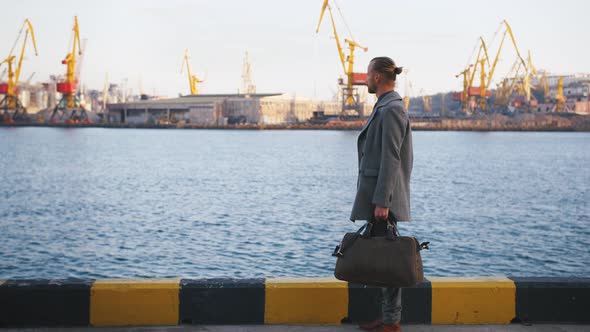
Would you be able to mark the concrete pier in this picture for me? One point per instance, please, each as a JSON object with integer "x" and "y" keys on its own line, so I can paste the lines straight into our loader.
{"x": 289, "y": 301}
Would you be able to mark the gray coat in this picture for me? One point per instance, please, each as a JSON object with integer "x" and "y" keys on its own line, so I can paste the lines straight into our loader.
{"x": 385, "y": 160}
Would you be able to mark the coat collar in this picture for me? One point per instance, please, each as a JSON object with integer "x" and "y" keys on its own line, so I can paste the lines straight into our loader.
{"x": 389, "y": 97}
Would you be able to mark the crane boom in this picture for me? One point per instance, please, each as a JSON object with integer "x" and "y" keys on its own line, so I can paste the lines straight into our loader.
{"x": 22, "y": 54}
{"x": 509, "y": 32}
{"x": 338, "y": 44}
{"x": 70, "y": 59}
{"x": 479, "y": 60}
{"x": 509, "y": 29}
{"x": 324, "y": 5}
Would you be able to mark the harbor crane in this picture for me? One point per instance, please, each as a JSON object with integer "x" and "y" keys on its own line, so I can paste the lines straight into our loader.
{"x": 486, "y": 73}
{"x": 192, "y": 79}
{"x": 426, "y": 101}
{"x": 541, "y": 80}
{"x": 509, "y": 84}
{"x": 350, "y": 96}
{"x": 408, "y": 91}
{"x": 469, "y": 92}
{"x": 69, "y": 106}
{"x": 560, "y": 99}
{"x": 10, "y": 104}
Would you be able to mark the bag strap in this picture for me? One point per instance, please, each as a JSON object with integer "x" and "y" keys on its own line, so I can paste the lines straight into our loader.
{"x": 339, "y": 250}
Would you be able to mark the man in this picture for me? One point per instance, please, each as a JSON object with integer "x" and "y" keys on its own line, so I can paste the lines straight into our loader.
{"x": 385, "y": 159}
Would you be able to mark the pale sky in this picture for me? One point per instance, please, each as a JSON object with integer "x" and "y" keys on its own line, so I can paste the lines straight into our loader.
{"x": 433, "y": 39}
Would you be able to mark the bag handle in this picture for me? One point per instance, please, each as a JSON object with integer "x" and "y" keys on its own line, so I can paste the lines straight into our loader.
{"x": 339, "y": 250}
{"x": 391, "y": 233}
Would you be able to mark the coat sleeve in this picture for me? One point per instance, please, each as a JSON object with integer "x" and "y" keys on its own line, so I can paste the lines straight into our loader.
{"x": 393, "y": 131}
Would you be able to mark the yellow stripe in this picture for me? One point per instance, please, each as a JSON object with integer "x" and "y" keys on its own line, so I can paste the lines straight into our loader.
{"x": 305, "y": 301}
{"x": 473, "y": 300}
{"x": 120, "y": 302}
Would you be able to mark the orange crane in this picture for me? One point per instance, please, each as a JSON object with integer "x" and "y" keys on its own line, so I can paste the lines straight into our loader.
{"x": 69, "y": 105}
{"x": 350, "y": 96}
{"x": 10, "y": 103}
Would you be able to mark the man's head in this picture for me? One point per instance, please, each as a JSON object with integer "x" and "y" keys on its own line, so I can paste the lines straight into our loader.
{"x": 381, "y": 74}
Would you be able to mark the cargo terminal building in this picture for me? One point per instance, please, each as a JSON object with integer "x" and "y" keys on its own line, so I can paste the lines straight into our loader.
{"x": 220, "y": 109}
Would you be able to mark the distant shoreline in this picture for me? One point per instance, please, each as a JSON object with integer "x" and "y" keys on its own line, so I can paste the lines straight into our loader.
{"x": 484, "y": 123}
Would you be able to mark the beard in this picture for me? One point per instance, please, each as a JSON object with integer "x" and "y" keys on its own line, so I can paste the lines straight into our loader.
{"x": 371, "y": 88}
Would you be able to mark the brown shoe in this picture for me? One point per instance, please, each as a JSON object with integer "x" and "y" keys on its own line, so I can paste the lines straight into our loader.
{"x": 390, "y": 328}
{"x": 371, "y": 325}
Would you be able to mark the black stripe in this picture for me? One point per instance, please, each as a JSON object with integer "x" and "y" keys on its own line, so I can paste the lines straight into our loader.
{"x": 38, "y": 302}
{"x": 552, "y": 300}
{"x": 417, "y": 304}
{"x": 364, "y": 303}
{"x": 222, "y": 301}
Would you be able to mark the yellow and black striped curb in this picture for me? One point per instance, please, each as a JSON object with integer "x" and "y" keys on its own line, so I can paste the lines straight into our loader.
{"x": 439, "y": 300}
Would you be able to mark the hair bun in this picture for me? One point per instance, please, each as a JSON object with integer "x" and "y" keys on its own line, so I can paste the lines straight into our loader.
{"x": 398, "y": 70}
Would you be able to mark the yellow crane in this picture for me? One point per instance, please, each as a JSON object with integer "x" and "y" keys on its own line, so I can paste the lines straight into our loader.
{"x": 350, "y": 96}
{"x": 192, "y": 79}
{"x": 10, "y": 102}
{"x": 559, "y": 97}
{"x": 541, "y": 80}
{"x": 545, "y": 87}
{"x": 469, "y": 77}
{"x": 464, "y": 95}
{"x": 68, "y": 88}
{"x": 508, "y": 85}
{"x": 426, "y": 100}
{"x": 408, "y": 94}
{"x": 486, "y": 75}
{"x": 507, "y": 31}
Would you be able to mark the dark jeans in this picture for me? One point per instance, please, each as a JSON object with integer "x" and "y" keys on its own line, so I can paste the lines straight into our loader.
{"x": 391, "y": 304}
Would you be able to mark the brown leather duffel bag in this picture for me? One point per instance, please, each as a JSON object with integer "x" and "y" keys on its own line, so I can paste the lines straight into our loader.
{"x": 385, "y": 261}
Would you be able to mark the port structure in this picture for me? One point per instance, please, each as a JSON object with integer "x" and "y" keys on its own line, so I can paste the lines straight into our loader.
{"x": 69, "y": 108}
{"x": 351, "y": 104}
{"x": 193, "y": 80}
{"x": 248, "y": 86}
{"x": 476, "y": 98}
{"x": 12, "y": 108}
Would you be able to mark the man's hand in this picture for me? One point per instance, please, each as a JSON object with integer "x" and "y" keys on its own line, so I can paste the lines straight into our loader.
{"x": 381, "y": 213}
